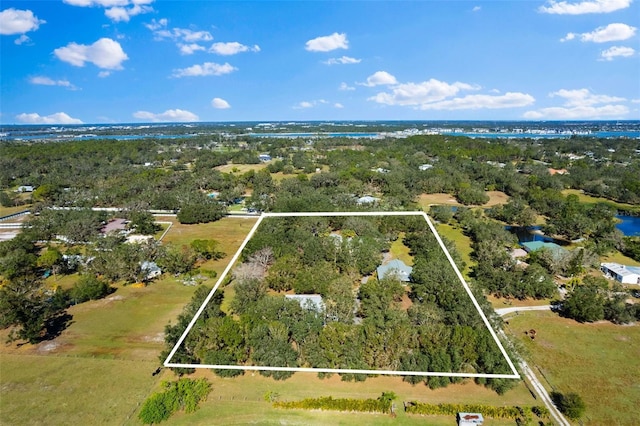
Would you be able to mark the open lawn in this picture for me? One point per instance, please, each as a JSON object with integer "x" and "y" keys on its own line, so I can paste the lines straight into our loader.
{"x": 426, "y": 200}
{"x": 501, "y": 302}
{"x": 597, "y": 361}
{"x": 128, "y": 324}
{"x": 241, "y": 400}
{"x": 461, "y": 241}
{"x": 240, "y": 168}
{"x": 6, "y": 211}
{"x": 584, "y": 198}
{"x": 57, "y": 390}
{"x": 98, "y": 371}
{"x": 399, "y": 251}
{"x": 618, "y": 257}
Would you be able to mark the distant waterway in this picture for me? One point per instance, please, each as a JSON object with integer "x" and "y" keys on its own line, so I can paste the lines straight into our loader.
{"x": 315, "y": 135}
{"x": 500, "y": 135}
{"x": 59, "y": 137}
{"x": 63, "y": 136}
{"x": 629, "y": 225}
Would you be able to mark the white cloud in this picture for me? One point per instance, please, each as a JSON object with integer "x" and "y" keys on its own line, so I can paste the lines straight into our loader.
{"x": 22, "y": 39}
{"x": 577, "y": 113}
{"x": 338, "y": 105}
{"x": 46, "y": 81}
{"x": 186, "y": 40}
{"x": 104, "y": 53}
{"x": 104, "y": 74}
{"x": 581, "y": 104}
{"x": 379, "y": 78}
{"x": 582, "y": 7}
{"x": 476, "y": 9}
{"x": 192, "y": 36}
{"x": 310, "y": 104}
{"x": 582, "y": 97}
{"x": 118, "y": 14}
{"x": 220, "y": 103}
{"x": 304, "y": 104}
{"x": 57, "y": 118}
{"x": 15, "y": 21}
{"x": 328, "y": 43}
{"x": 117, "y": 10}
{"x": 189, "y": 49}
{"x": 612, "y": 32}
{"x": 170, "y": 115}
{"x": 418, "y": 94}
{"x": 508, "y": 100}
{"x": 617, "y": 51}
{"x": 186, "y": 35}
{"x": 208, "y": 68}
{"x": 156, "y": 25}
{"x": 99, "y": 3}
{"x": 232, "y": 48}
{"x": 342, "y": 60}
{"x": 439, "y": 95}
{"x": 345, "y": 87}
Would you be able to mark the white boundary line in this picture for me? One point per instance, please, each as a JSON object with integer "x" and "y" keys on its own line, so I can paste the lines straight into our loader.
{"x": 167, "y": 362}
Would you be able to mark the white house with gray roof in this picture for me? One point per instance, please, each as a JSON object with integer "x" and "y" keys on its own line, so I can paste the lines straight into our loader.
{"x": 621, "y": 273}
{"x": 395, "y": 268}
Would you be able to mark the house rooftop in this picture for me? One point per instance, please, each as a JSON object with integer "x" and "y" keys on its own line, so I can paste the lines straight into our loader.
{"x": 537, "y": 245}
{"x": 313, "y": 301}
{"x": 621, "y": 270}
{"x": 114, "y": 225}
{"x": 395, "y": 267}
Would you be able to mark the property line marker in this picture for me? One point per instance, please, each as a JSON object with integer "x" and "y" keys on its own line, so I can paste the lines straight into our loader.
{"x": 168, "y": 363}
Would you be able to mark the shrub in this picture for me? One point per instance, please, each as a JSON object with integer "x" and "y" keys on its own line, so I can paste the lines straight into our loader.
{"x": 185, "y": 394}
{"x": 89, "y": 287}
{"x": 570, "y": 404}
{"x": 380, "y": 405}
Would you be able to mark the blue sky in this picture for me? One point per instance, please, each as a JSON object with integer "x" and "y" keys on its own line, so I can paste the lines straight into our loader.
{"x": 106, "y": 61}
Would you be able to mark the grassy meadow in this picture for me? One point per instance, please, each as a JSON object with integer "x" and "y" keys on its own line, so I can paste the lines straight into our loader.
{"x": 461, "y": 242}
{"x": 6, "y": 211}
{"x": 598, "y": 361}
{"x": 585, "y": 198}
{"x": 426, "y": 200}
{"x": 99, "y": 370}
{"x": 241, "y": 401}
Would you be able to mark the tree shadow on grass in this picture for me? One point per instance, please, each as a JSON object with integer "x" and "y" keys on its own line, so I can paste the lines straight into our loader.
{"x": 56, "y": 325}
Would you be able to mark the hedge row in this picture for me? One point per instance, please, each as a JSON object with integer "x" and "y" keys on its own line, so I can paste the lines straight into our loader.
{"x": 339, "y": 404}
{"x": 414, "y": 407}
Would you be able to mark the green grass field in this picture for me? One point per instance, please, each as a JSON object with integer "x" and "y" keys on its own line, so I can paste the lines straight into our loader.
{"x": 241, "y": 168}
{"x": 241, "y": 401}
{"x": 63, "y": 390}
{"x": 597, "y": 361}
{"x": 5, "y": 211}
{"x": 399, "y": 251}
{"x": 584, "y": 198}
{"x": 98, "y": 371}
{"x": 461, "y": 241}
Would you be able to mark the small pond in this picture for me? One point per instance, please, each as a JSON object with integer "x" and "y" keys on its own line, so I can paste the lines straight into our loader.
{"x": 531, "y": 233}
{"x": 630, "y": 225}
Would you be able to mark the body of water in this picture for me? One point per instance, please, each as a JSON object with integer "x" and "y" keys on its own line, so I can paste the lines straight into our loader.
{"x": 532, "y": 233}
{"x": 608, "y": 134}
{"x": 315, "y": 135}
{"x": 630, "y": 225}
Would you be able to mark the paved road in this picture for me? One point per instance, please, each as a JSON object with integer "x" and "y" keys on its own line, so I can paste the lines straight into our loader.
{"x": 556, "y": 415}
{"x": 503, "y": 311}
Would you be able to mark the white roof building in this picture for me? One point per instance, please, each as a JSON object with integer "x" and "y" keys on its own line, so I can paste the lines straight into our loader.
{"x": 621, "y": 273}
{"x": 308, "y": 301}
